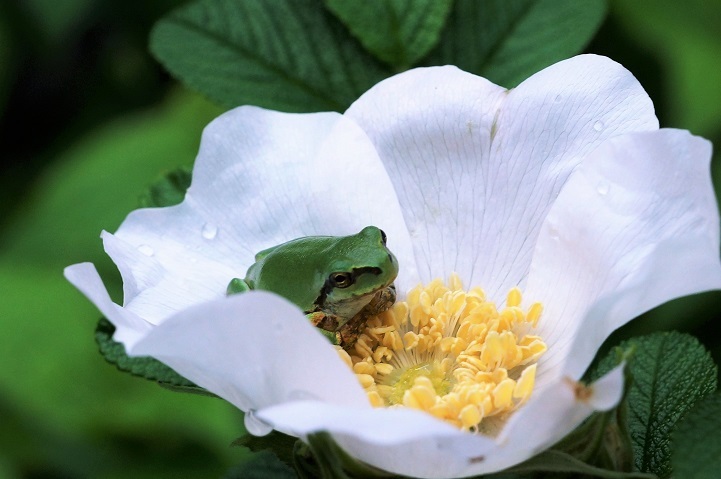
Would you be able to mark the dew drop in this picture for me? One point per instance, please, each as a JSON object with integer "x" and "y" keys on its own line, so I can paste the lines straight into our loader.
{"x": 558, "y": 99}
{"x": 553, "y": 233}
{"x": 256, "y": 426}
{"x": 209, "y": 231}
{"x": 603, "y": 188}
{"x": 598, "y": 126}
{"x": 146, "y": 250}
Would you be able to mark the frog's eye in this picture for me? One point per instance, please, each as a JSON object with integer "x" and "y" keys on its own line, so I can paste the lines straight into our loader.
{"x": 341, "y": 280}
{"x": 384, "y": 238}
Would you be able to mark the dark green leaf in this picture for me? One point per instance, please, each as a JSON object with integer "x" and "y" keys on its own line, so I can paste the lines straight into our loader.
{"x": 507, "y": 41}
{"x": 561, "y": 462}
{"x": 169, "y": 190}
{"x": 291, "y": 56}
{"x": 263, "y": 465}
{"x": 146, "y": 367}
{"x": 671, "y": 372}
{"x": 281, "y": 444}
{"x": 697, "y": 441}
{"x": 399, "y": 32}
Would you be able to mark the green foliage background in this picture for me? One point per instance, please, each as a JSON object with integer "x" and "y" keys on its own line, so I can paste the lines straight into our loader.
{"x": 88, "y": 119}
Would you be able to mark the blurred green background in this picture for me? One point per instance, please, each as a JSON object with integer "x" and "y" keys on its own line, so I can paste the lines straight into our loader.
{"x": 88, "y": 120}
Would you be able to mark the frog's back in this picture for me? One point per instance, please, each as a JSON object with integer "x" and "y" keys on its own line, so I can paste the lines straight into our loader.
{"x": 294, "y": 270}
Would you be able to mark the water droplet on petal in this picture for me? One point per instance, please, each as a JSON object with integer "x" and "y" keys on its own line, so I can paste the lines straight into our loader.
{"x": 209, "y": 231}
{"x": 598, "y": 126}
{"x": 558, "y": 99}
{"x": 146, "y": 250}
{"x": 603, "y": 188}
{"x": 256, "y": 426}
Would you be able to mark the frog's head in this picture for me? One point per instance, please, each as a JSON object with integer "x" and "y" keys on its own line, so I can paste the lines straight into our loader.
{"x": 338, "y": 274}
{"x": 361, "y": 266}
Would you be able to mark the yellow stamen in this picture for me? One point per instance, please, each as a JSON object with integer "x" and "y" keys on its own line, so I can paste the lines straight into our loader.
{"x": 451, "y": 353}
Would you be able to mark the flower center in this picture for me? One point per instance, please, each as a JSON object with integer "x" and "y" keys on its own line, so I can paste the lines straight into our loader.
{"x": 451, "y": 353}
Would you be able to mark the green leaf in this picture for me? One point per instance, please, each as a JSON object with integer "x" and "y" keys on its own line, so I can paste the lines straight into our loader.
{"x": 291, "y": 56}
{"x": 507, "y": 41}
{"x": 399, "y": 32}
{"x": 263, "y": 465}
{"x": 561, "y": 462}
{"x": 146, "y": 367}
{"x": 697, "y": 441}
{"x": 96, "y": 183}
{"x": 671, "y": 373}
{"x": 169, "y": 190}
{"x": 282, "y": 445}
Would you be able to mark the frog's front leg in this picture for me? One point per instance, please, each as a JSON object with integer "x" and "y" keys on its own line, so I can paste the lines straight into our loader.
{"x": 381, "y": 301}
{"x": 327, "y": 324}
{"x": 236, "y": 286}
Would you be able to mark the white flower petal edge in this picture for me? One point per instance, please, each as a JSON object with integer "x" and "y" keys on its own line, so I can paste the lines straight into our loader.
{"x": 412, "y": 443}
{"x": 477, "y": 168}
{"x": 635, "y": 226}
{"x": 260, "y": 179}
{"x": 230, "y": 347}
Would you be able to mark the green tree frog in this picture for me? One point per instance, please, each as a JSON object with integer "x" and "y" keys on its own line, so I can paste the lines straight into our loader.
{"x": 338, "y": 281}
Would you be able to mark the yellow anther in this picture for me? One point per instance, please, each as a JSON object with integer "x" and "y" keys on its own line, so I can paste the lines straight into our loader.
{"x": 514, "y": 297}
{"x": 449, "y": 352}
{"x": 470, "y": 416}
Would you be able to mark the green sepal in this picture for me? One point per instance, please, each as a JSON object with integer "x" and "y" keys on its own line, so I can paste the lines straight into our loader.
{"x": 168, "y": 190}
{"x": 561, "y": 462}
{"x": 282, "y": 445}
{"x": 331, "y": 461}
{"x": 145, "y": 367}
{"x": 264, "y": 465}
{"x": 697, "y": 441}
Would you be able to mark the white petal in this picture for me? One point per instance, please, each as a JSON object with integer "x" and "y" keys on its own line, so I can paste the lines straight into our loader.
{"x": 255, "y": 350}
{"x": 410, "y": 442}
{"x": 129, "y": 327}
{"x": 557, "y": 410}
{"x": 403, "y": 441}
{"x": 261, "y": 178}
{"x": 476, "y": 168}
{"x": 635, "y": 226}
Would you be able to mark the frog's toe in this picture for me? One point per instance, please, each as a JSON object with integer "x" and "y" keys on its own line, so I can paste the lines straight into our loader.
{"x": 236, "y": 286}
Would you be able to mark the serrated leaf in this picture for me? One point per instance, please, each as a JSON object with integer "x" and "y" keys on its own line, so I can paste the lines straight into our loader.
{"x": 263, "y": 465}
{"x": 146, "y": 367}
{"x": 697, "y": 441}
{"x": 282, "y": 445}
{"x": 168, "y": 190}
{"x": 290, "y": 56}
{"x": 506, "y": 41}
{"x": 671, "y": 373}
{"x": 399, "y": 32}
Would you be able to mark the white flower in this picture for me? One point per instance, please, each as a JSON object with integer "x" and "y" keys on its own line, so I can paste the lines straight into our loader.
{"x": 564, "y": 186}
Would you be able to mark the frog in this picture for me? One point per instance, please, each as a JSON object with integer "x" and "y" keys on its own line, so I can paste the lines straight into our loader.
{"x": 338, "y": 281}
